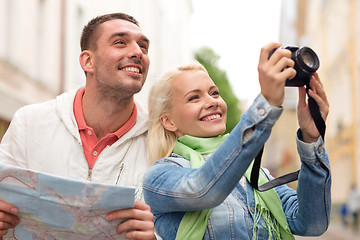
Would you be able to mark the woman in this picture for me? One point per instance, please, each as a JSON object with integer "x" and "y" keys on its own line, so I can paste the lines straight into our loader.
{"x": 199, "y": 188}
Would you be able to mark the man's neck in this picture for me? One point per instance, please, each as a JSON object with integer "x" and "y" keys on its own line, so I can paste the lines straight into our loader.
{"x": 105, "y": 116}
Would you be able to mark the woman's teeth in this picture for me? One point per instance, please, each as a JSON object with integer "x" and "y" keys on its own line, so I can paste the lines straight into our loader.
{"x": 212, "y": 117}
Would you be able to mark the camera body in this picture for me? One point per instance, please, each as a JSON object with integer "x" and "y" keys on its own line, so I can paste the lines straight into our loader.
{"x": 306, "y": 63}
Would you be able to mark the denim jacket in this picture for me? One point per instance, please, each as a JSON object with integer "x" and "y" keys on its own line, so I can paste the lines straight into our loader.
{"x": 171, "y": 187}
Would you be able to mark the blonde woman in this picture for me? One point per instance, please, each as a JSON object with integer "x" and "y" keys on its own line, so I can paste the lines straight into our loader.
{"x": 199, "y": 188}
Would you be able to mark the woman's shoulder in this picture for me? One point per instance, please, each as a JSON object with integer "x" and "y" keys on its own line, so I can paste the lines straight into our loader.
{"x": 174, "y": 159}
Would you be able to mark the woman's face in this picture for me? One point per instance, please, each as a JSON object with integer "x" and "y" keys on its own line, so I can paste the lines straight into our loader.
{"x": 197, "y": 108}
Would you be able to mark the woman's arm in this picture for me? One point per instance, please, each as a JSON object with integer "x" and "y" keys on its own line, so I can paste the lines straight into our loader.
{"x": 307, "y": 210}
{"x": 170, "y": 187}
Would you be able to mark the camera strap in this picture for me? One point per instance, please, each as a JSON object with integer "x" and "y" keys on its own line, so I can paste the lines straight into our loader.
{"x": 254, "y": 177}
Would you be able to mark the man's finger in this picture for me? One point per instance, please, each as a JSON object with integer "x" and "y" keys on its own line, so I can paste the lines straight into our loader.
{"x": 140, "y": 211}
{"x": 137, "y": 235}
{"x": 141, "y": 206}
{"x": 8, "y": 208}
{"x": 135, "y": 225}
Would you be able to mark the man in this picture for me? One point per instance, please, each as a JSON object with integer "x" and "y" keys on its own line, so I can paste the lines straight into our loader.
{"x": 96, "y": 133}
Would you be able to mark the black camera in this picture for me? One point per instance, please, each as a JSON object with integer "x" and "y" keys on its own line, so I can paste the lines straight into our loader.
{"x": 306, "y": 63}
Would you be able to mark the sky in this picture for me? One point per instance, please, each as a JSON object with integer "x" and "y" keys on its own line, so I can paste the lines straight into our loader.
{"x": 236, "y": 30}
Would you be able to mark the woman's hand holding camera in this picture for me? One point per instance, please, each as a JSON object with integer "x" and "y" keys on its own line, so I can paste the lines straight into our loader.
{"x": 308, "y": 129}
{"x": 273, "y": 73}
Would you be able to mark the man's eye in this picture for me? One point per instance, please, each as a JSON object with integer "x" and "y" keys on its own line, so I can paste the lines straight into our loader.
{"x": 119, "y": 42}
{"x": 144, "y": 47}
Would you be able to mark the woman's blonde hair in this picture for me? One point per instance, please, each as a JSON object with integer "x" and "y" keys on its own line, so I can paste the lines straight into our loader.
{"x": 160, "y": 141}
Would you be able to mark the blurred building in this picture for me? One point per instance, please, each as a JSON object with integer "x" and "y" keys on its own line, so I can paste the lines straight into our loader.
{"x": 332, "y": 29}
{"x": 40, "y": 44}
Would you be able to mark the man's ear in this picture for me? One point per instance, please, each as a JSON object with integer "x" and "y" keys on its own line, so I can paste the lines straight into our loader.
{"x": 167, "y": 123}
{"x": 86, "y": 61}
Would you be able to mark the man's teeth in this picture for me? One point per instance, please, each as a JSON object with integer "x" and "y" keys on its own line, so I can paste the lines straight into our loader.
{"x": 212, "y": 117}
{"x": 131, "y": 69}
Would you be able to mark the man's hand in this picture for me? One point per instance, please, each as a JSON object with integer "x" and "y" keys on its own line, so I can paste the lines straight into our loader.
{"x": 8, "y": 219}
{"x": 273, "y": 73}
{"x": 140, "y": 223}
{"x": 307, "y": 126}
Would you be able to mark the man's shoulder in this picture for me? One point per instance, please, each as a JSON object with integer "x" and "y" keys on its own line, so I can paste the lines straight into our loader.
{"x": 37, "y": 108}
{"x": 47, "y": 108}
{"x": 141, "y": 124}
{"x": 141, "y": 109}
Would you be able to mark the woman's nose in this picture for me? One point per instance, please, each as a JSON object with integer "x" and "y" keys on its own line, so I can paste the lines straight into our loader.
{"x": 211, "y": 102}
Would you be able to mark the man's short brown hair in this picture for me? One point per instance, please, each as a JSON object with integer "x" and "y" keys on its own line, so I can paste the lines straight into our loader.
{"x": 89, "y": 36}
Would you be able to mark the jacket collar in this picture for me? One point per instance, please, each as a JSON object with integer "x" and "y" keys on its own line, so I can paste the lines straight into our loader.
{"x": 65, "y": 110}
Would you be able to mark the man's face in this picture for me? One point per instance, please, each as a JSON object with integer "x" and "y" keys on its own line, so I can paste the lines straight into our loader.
{"x": 121, "y": 60}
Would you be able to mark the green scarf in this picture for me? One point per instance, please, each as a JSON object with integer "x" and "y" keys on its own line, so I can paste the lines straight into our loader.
{"x": 268, "y": 204}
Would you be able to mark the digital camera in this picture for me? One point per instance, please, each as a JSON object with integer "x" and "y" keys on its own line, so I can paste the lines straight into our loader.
{"x": 306, "y": 63}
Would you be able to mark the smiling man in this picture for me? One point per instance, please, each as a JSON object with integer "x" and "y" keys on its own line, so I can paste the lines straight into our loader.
{"x": 96, "y": 133}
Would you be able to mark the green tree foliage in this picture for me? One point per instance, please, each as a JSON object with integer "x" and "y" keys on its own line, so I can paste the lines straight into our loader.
{"x": 208, "y": 58}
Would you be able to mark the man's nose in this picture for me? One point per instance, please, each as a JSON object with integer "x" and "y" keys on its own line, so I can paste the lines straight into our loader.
{"x": 135, "y": 51}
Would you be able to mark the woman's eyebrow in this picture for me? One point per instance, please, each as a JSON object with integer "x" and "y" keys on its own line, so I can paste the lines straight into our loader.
{"x": 198, "y": 90}
{"x": 192, "y": 91}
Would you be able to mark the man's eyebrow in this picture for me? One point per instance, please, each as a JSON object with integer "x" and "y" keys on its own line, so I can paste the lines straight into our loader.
{"x": 126, "y": 34}
{"x": 119, "y": 34}
{"x": 145, "y": 39}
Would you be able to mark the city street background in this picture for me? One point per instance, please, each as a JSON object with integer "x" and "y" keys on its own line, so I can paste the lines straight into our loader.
{"x": 39, "y": 50}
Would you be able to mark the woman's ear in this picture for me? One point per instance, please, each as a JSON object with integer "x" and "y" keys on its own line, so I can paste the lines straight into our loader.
{"x": 167, "y": 123}
{"x": 86, "y": 61}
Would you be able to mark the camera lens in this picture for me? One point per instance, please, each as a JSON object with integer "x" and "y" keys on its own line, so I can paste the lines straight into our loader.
{"x": 308, "y": 59}
{"x": 306, "y": 63}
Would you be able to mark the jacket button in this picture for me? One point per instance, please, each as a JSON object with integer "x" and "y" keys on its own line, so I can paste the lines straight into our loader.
{"x": 261, "y": 112}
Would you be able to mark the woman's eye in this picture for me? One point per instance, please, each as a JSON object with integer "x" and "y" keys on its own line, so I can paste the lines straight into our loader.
{"x": 192, "y": 98}
{"x": 215, "y": 93}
